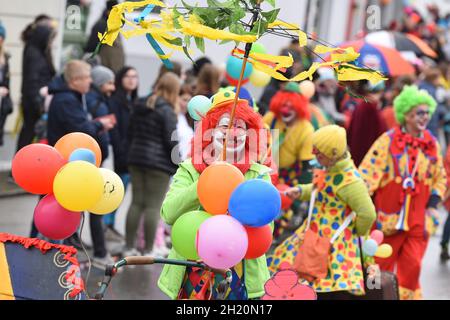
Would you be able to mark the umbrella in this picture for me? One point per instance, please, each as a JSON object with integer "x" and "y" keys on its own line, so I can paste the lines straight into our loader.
{"x": 401, "y": 42}
{"x": 388, "y": 61}
{"x": 33, "y": 269}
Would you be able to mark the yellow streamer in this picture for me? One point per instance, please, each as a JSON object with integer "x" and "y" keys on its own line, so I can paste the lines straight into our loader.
{"x": 302, "y": 37}
{"x": 347, "y": 72}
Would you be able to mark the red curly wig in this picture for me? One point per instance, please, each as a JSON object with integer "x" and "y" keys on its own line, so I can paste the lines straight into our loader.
{"x": 243, "y": 111}
{"x": 299, "y": 102}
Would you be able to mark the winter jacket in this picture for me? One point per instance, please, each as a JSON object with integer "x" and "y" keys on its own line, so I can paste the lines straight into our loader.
{"x": 112, "y": 57}
{"x": 68, "y": 113}
{"x": 182, "y": 198}
{"x": 97, "y": 106}
{"x": 440, "y": 111}
{"x": 152, "y": 136}
{"x": 120, "y": 106}
{"x": 37, "y": 70}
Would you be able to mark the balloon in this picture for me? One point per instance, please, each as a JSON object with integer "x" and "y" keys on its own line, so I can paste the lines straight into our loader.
{"x": 286, "y": 202}
{"x": 184, "y": 232}
{"x": 75, "y": 140}
{"x": 384, "y": 251}
{"x": 35, "y": 166}
{"x": 78, "y": 186}
{"x": 234, "y": 66}
{"x": 221, "y": 242}
{"x": 255, "y": 203}
{"x": 259, "y": 78}
{"x": 369, "y": 247}
{"x": 258, "y": 48}
{"x": 235, "y": 82}
{"x": 215, "y": 186}
{"x": 53, "y": 221}
{"x": 113, "y": 192}
{"x": 82, "y": 154}
{"x": 259, "y": 241}
{"x": 307, "y": 88}
{"x": 198, "y": 106}
{"x": 377, "y": 235}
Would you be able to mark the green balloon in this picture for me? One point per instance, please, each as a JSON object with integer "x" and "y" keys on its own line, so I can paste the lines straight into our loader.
{"x": 184, "y": 233}
{"x": 258, "y": 48}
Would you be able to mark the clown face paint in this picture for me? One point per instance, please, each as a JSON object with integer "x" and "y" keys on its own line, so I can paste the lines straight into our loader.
{"x": 236, "y": 138}
{"x": 288, "y": 113}
{"x": 416, "y": 121}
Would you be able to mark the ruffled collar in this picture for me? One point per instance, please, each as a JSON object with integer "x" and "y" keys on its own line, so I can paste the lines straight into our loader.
{"x": 402, "y": 139}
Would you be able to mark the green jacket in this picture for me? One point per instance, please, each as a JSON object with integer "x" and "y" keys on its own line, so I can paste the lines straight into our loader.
{"x": 182, "y": 198}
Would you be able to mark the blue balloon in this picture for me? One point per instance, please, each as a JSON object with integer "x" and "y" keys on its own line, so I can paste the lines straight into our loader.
{"x": 234, "y": 66}
{"x": 255, "y": 203}
{"x": 83, "y": 155}
{"x": 369, "y": 247}
{"x": 245, "y": 94}
{"x": 198, "y": 106}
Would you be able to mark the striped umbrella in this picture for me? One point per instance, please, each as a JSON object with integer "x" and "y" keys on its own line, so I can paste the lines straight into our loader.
{"x": 401, "y": 42}
{"x": 388, "y": 61}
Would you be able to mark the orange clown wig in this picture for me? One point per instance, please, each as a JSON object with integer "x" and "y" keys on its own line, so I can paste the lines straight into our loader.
{"x": 297, "y": 101}
{"x": 203, "y": 137}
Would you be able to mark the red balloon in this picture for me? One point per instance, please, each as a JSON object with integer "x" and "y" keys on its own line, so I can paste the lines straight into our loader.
{"x": 259, "y": 241}
{"x": 286, "y": 202}
{"x": 35, "y": 166}
{"x": 235, "y": 82}
{"x": 53, "y": 221}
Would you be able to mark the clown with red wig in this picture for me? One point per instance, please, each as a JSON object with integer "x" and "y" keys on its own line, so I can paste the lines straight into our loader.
{"x": 245, "y": 150}
{"x": 289, "y": 118}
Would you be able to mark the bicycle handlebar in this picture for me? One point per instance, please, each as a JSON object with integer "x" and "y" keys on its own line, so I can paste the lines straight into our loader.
{"x": 111, "y": 270}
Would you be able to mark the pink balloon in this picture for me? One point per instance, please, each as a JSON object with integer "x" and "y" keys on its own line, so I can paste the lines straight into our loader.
{"x": 377, "y": 235}
{"x": 53, "y": 221}
{"x": 221, "y": 242}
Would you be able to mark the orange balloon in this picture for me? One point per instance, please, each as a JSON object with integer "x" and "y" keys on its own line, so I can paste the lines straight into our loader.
{"x": 215, "y": 185}
{"x": 72, "y": 141}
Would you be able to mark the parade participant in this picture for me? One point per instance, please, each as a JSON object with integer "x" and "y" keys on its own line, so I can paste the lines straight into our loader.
{"x": 335, "y": 192}
{"x": 289, "y": 115}
{"x": 289, "y": 119}
{"x": 404, "y": 171}
{"x": 176, "y": 281}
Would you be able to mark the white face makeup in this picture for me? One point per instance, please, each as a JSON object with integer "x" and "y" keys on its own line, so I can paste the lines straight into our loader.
{"x": 289, "y": 117}
{"x": 236, "y": 138}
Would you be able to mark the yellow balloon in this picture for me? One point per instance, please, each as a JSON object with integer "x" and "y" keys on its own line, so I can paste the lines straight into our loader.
{"x": 78, "y": 186}
{"x": 259, "y": 78}
{"x": 113, "y": 192}
{"x": 307, "y": 88}
{"x": 383, "y": 251}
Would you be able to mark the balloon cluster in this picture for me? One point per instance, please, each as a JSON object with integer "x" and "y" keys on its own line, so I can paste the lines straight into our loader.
{"x": 256, "y": 77}
{"x": 374, "y": 246}
{"x": 70, "y": 177}
{"x": 235, "y": 223}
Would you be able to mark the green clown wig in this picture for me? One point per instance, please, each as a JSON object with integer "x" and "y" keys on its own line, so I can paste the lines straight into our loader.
{"x": 408, "y": 99}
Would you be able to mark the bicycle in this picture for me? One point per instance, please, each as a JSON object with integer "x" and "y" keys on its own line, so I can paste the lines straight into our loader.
{"x": 112, "y": 269}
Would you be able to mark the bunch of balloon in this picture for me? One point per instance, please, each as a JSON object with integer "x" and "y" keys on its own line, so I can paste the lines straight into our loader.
{"x": 256, "y": 77}
{"x": 70, "y": 177}
{"x": 374, "y": 246}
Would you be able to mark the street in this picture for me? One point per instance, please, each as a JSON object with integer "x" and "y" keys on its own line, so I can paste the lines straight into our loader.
{"x": 140, "y": 282}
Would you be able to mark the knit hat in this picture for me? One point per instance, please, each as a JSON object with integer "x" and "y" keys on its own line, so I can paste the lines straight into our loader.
{"x": 101, "y": 75}
{"x": 331, "y": 140}
{"x": 2, "y": 31}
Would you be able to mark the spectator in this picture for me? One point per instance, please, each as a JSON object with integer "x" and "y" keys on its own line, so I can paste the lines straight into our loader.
{"x": 68, "y": 113}
{"x": 366, "y": 124}
{"x": 431, "y": 83}
{"x": 97, "y": 101}
{"x": 6, "y": 105}
{"x": 37, "y": 72}
{"x": 112, "y": 57}
{"x": 121, "y": 105}
{"x": 185, "y": 123}
{"x": 208, "y": 82}
{"x": 326, "y": 89}
{"x": 152, "y": 125}
{"x": 177, "y": 69}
